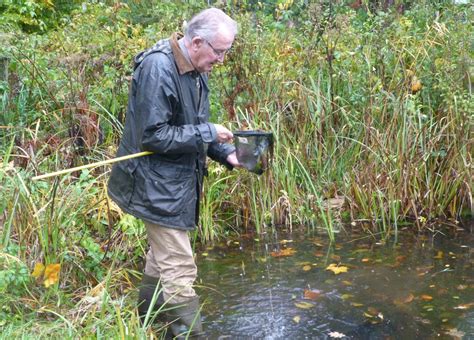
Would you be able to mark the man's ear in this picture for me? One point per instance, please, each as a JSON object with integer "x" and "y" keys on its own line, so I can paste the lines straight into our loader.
{"x": 196, "y": 43}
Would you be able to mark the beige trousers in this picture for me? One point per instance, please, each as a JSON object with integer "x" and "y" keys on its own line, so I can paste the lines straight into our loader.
{"x": 171, "y": 259}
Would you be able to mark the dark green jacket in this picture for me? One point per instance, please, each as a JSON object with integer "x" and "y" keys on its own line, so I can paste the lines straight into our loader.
{"x": 167, "y": 114}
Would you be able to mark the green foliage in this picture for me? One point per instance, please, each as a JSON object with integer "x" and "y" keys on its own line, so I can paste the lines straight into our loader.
{"x": 34, "y": 16}
{"x": 14, "y": 274}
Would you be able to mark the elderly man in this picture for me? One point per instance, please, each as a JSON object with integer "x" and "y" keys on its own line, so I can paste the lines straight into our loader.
{"x": 168, "y": 114}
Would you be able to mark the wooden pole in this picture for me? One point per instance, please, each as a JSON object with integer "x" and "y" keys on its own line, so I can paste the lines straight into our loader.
{"x": 93, "y": 165}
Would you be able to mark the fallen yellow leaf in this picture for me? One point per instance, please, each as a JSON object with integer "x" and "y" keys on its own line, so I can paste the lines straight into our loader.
{"x": 337, "y": 269}
{"x": 415, "y": 85}
{"x": 426, "y": 297}
{"x": 304, "y": 305}
{"x": 311, "y": 294}
{"x": 51, "y": 274}
{"x": 38, "y": 271}
{"x": 297, "y": 319}
{"x": 356, "y": 304}
{"x": 283, "y": 252}
{"x": 307, "y": 268}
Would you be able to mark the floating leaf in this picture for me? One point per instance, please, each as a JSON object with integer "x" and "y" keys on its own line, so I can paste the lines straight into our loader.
{"x": 374, "y": 315}
{"x": 405, "y": 299}
{"x": 336, "y": 335}
{"x": 372, "y": 312}
{"x": 311, "y": 294}
{"x": 347, "y": 296}
{"x": 297, "y": 319}
{"x": 347, "y": 283}
{"x": 465, "y": 306}
{"x": 51, "y": 274}
{"x": 337, "y": 269}
{"x": 283, "y": 252}
{"x": 304, "y": 305}
{"x": 38, "y": 270}
{"x": 307, "y": 268}
{"x": 426, "y": 297}
{"x": 365, "y": 260}
{"x": 439, "y": 255}
{"x": 356, "y": 304}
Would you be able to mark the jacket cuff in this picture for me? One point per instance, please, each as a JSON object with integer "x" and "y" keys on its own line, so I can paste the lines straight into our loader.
{"x": 207, "y": 131}
{"x": 219, "y": 153}
{"x": 227, "y": 151}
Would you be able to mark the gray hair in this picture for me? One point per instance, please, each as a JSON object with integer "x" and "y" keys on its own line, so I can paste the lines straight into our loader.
{"x": 207, "y": 23}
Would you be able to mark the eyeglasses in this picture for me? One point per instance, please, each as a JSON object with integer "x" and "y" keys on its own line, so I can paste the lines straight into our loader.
{"x": 218, "y": 53}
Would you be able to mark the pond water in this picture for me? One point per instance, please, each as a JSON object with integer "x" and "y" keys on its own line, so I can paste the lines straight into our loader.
{"x": 277, "y": 286}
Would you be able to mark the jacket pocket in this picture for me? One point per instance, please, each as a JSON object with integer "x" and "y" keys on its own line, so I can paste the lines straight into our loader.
{"x": 169, "y": 190}
{"x": 122, "y": 182}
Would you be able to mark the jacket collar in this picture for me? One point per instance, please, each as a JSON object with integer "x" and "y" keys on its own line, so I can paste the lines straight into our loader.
{"x": 184, "y": 65}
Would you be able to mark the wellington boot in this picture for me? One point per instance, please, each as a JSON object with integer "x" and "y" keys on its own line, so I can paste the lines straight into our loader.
{"x": 146, "y": 291}
{"x": 185, "y": 319}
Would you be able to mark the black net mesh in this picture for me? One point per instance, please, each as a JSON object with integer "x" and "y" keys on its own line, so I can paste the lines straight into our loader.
{"x": 254, "y": 149}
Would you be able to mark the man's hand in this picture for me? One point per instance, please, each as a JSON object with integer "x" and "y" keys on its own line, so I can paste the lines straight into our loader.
{"x": 232, "y": 159}
{"x": 223, "y": 134}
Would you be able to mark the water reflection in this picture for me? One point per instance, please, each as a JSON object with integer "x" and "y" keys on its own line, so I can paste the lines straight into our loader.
{"x": 421, "y": 286}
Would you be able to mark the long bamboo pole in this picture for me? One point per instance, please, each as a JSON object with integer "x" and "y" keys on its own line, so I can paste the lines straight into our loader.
{"x": 92, "y": 165}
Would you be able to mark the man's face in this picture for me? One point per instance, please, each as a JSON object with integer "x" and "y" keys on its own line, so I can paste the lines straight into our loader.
{"x": 208, "y": 53}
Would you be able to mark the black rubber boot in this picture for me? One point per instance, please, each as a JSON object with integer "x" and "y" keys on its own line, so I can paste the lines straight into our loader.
{"x": 185, "y": 319}
{"x": 147, "y": 288}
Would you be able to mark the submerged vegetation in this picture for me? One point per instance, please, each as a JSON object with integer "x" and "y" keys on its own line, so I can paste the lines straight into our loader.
{"x": 370, "y": 105}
